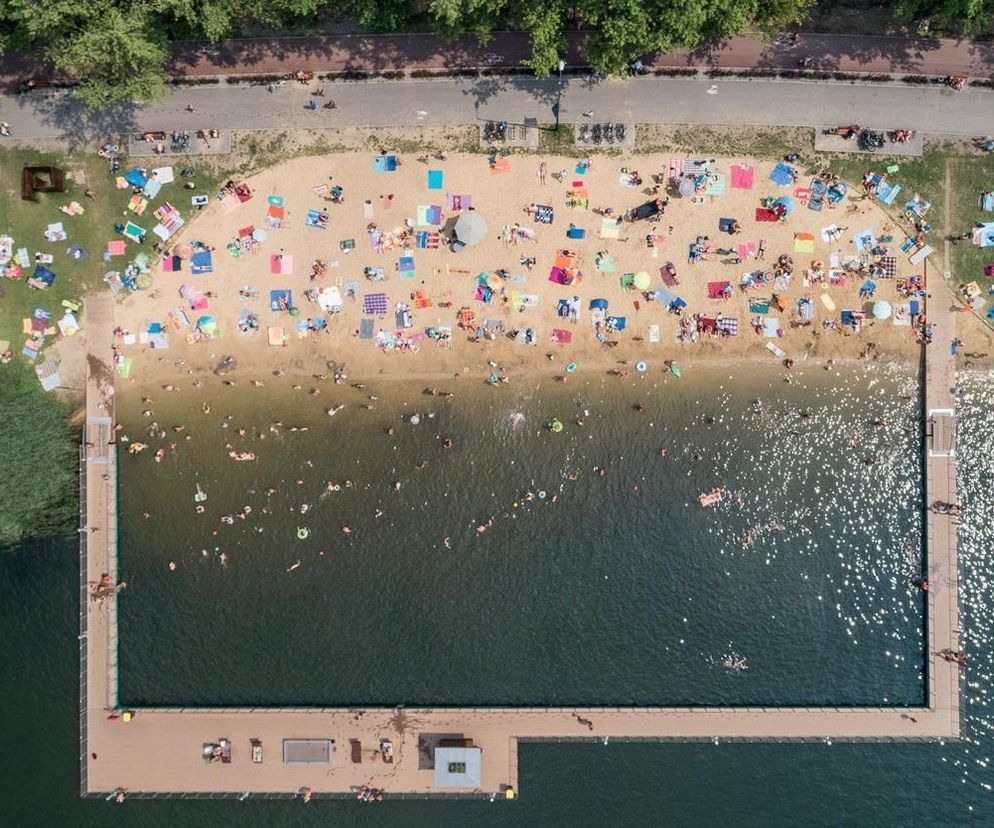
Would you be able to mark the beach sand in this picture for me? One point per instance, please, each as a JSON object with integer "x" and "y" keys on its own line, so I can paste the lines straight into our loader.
{"x": 451, "y": 278}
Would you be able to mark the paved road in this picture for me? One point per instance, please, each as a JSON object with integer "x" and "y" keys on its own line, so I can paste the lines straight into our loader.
{"x": 410, "y": 102}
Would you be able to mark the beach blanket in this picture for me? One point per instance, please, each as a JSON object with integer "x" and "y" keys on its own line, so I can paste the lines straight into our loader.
{"x": 674, "y": 169}
{"x": 776, "y": 351}
{"x": 405, "y": 267}
{"x": 983, "y": 235}
{"x": 458, "y": 202}
{"x": 421, "y": 300}
{"x": 887, "y": 192}
{"x": 575, "y": 232}
{"x": 654, "y": 333}
{"x": 229, "y": 203}
{"x": 759, "y": 306}
{"x": 561, "y": 336}
{"x": 137, "y": 204}
{"x": 746, "y": 250}
{"x": 830, "y": 234}
{"x": 427, "y": 240}
{"x": 609, "y": 228}
{"x": 667, "y": 276}
{"x": 500, "y": 166}
{"x": 330, "y": 299}
{"x": 560, "y": 276}
{"x": 782, "y": 174}
{"x": 385, "y": 163}
{"x": 57, "y": 232}
{"x": 578, "y": 198}
{"x": 280, "y": 299}
{"x": 771, "y": 325}
{"x": 889, "y": 265}
{"x": 276, "y": 336}
{"x": 902, "y": 314}
{"x": 987, "y": 202}
{"x": 543, "y": 214}
{"x": 718, "y": 186}
{"x": 762, "y": 214}
{"x": 626, "y": 180}
{"x": 728, "y": 325}
{"x": 604, "y": 263}
{"x": 201, "y": 262}
{"x": 921, "y": 254}
{"x": 435, "y": 179}
{"x": 314, "y": 219}
{"x": 866, "y": 240}
{"x": 281, "y": 264}
{"x": 275, "y": 215}
{"x": 719, "y": 290}
{"x": 665, "y": 296}
{"x": 374, "y": 304}
{"x": 742, "y": 176}
{"x": 429, "y": 215}
{"x": 828, "y": 302}
{"x": 366, "y": 328}
{"x": 804, "y": 243}
{"x": 117, "y": 247}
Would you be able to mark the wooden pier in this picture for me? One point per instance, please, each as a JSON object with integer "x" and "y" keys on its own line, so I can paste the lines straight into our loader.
{"x": 160, "y": 751}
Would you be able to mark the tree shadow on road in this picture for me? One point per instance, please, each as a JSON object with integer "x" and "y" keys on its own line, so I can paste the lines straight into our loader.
{"x": 79, "y": 127}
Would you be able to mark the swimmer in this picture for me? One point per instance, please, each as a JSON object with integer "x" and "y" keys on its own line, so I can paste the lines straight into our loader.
{"x": 663, "y": 452}
{"x": 396, "y": 485}
{"x": 314, "y": 392}
{"x": 246, "y": 510}
{"x": 257, "y": 383}
{"x": 346, "y": 530}
{"x": 378, "y": 513}
{"x": 179, "y": 429}
{"x": 448, "y": 442}
{"x": 200, "y": 509}
{"x": 348, "y": 484}
{"x": 422, "y": 465}
{"x": 242, "y": 432}
{"x": 304, "y": 507}
{"x": 224, "y": 559}
{"x": 639, "y": 407}
{"x": 206, "y": 408}
{"x": 146, "y": 515}
{"x": 448, "y": 543}
{"x": 390, "y": 431}
{"x": 172, "y": 566}
{"x": 580, "y": 421}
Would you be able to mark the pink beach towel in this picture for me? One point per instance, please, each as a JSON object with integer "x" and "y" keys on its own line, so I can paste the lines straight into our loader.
{"x": 561, "y": 336}
{"x": 675, "y": 168}
{"x": 229, "y": 203}
{"x": 281, "y": 264}
{"x": 117, "y": 247}
{"x": 747, "y": 250}
{"x": 719, "y": 290}
{"x": 458, "y": 202}
{"x": 742, "y": 176}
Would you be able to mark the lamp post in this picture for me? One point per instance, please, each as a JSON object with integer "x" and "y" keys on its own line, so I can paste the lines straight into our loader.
{"x": 559, "y": 91}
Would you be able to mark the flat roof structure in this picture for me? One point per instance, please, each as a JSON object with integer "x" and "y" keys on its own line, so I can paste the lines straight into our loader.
{"x": 457, "y": 767}
{"x": 307, "y": 751}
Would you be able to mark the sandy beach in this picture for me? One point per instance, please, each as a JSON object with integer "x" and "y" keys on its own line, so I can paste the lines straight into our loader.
{"x": 445, "y": 285}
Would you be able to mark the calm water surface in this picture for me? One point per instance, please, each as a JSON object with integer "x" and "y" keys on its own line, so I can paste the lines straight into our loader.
{"x": 859, "y": 643}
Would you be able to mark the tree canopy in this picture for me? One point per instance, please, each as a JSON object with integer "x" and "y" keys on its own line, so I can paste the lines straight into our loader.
{"x": 118, "y": 48}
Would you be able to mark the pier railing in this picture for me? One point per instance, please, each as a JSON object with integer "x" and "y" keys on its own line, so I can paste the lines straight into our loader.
{"x": 83, "y": 599}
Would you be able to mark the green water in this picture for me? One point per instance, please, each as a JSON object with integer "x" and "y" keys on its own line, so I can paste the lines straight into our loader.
{"x": 617, "y": 784}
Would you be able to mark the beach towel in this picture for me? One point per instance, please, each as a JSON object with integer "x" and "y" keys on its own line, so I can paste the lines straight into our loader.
{"x": 366, "y": 328}
{"x": 762, "y": 214}
{"x": 314, "y": 220}
{"x": 771, "y": 326}
{"x": 902, "y": 314}
{"x": 920, "y": 255}
{"x": 718, "y": 186}
{"x": 57, "y": 232}
{"x": 385, "y": 163}
{"x": 421, "y": 300}
{"x": 427, "y": 240}
{"x": 575, "y": 232}
{"x": 742, "y": 176}
{"x": 654, "y": 333}
{"x": 458, "y": 202}
{"x": 666, "y": 297}
{"x": 276, "y": 335}
{"x": 172, "y": 264}
{"x": 616, "y": 323}
{"x": 775, "y": 350}
{"x": 725, "y": 225}
{"x": 500, "y": 166}
{"x": 578, "y": 198}
{"x": 866, "y": 240}
{"x": 560, "y": 276}
{"x": 281, "y": 264}
{"x": 543, "y": 214}
{"x": 604, "y": 264}
{"x": 719, "y": 290}
{"x": 229, "y": 203}
{"x": 987, "y": 202}
{"x": 405, "y": 267}
{"x": 804, "y": 243}
{"x": 983, "y": 236}
{"x": 117, "y": 247}
{"x": 626, "y": 180}
{"x": 151, "y": 188}
{"x": 562, "y": 337}
{"x": 374, "y": 304}
{"x": 828, "y": 302}
{"x": 386, "y": 201}
{"x": 429, "y": 215}
{"x": 830, "y": 234}
{"x": 889, "y": 265}
{"x": 367, "y": 209}
{"x": 609, "y": 228}
{"x": 280, "y": 299}
{"x": 667, "y": 276}
{"x": 746, "y": 250}
{"x": 759, "y": 306}
{"x": 435, "y": 179}
{"x": 674, "y": 169}
{"x": 728, "y": 325}
{"x": 275, "y": 215}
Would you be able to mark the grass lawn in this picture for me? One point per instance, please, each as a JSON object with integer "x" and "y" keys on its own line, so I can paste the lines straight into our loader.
{"x": 26, "y": 221}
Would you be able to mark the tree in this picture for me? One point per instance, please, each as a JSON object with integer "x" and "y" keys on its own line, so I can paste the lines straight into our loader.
{"x": 117, "y": 57}
{"x": 964, "y": 16}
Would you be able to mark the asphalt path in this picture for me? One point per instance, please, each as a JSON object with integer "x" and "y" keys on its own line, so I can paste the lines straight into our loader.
{"x": 936, "y": 110}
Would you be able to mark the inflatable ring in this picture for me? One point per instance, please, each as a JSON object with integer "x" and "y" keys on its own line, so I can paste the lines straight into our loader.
{"x": 570, "y": 367}
{"x": 768, "y": 276}
{"x": 302, "y": 532}
{"x": 336, "y": 488}
{"x": 641, "y": 367}
{"x": 555, "y": 426}
{"x": 541, "y": 495}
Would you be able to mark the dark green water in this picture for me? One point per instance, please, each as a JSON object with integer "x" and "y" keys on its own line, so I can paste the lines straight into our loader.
{"x": 592, "y": 784}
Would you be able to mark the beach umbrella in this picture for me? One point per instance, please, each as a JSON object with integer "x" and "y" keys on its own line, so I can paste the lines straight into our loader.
{"x": 787, "y": 202}
{"x": 470, "y": 228}
{"x": 260, "y": 235}
{"x": 493, "y": 281}
{"x": 641, "y": 280}
{"x": 881, "y": 309}
{"x": 686, "y": 187}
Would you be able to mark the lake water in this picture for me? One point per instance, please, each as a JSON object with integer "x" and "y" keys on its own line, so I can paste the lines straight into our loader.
{"x": 606, "y": 595}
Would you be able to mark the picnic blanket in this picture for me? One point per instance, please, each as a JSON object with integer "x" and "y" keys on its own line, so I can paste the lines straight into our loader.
{"x": 782, "y": 174}
{"x": 742, "y": 176}
{"x": 201, "y": 262}
{"x": 543, "y": 214}
{"x": 763, "y": 214}
{"x": 458, "y": 202}
{"x": 719, "y": 290}
{"x": 674, "y": 169}
{"x": 804, "y": 243}
{"x": 729, "y": 325}
{"x": 374, "y": 304}
{"x": 889, "y": 265}
{"x": 281, "y": 264}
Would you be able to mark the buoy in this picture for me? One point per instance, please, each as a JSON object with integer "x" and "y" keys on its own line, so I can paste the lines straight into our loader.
{"x": 302, "y": 532}
{"x": 415, "y": 419}
{"x": 641, "y": 367}
{"x": 555, "y": 426}
{"x": 570, "y": 367}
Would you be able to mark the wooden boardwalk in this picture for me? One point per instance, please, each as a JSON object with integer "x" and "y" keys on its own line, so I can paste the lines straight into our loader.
{"x": 159, "y": 751}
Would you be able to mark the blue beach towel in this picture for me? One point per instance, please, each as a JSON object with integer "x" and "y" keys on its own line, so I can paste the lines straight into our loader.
{"x": 385, "y": 163}
{"x": 782, "y": 174}
{"x": 435, "y": 179}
